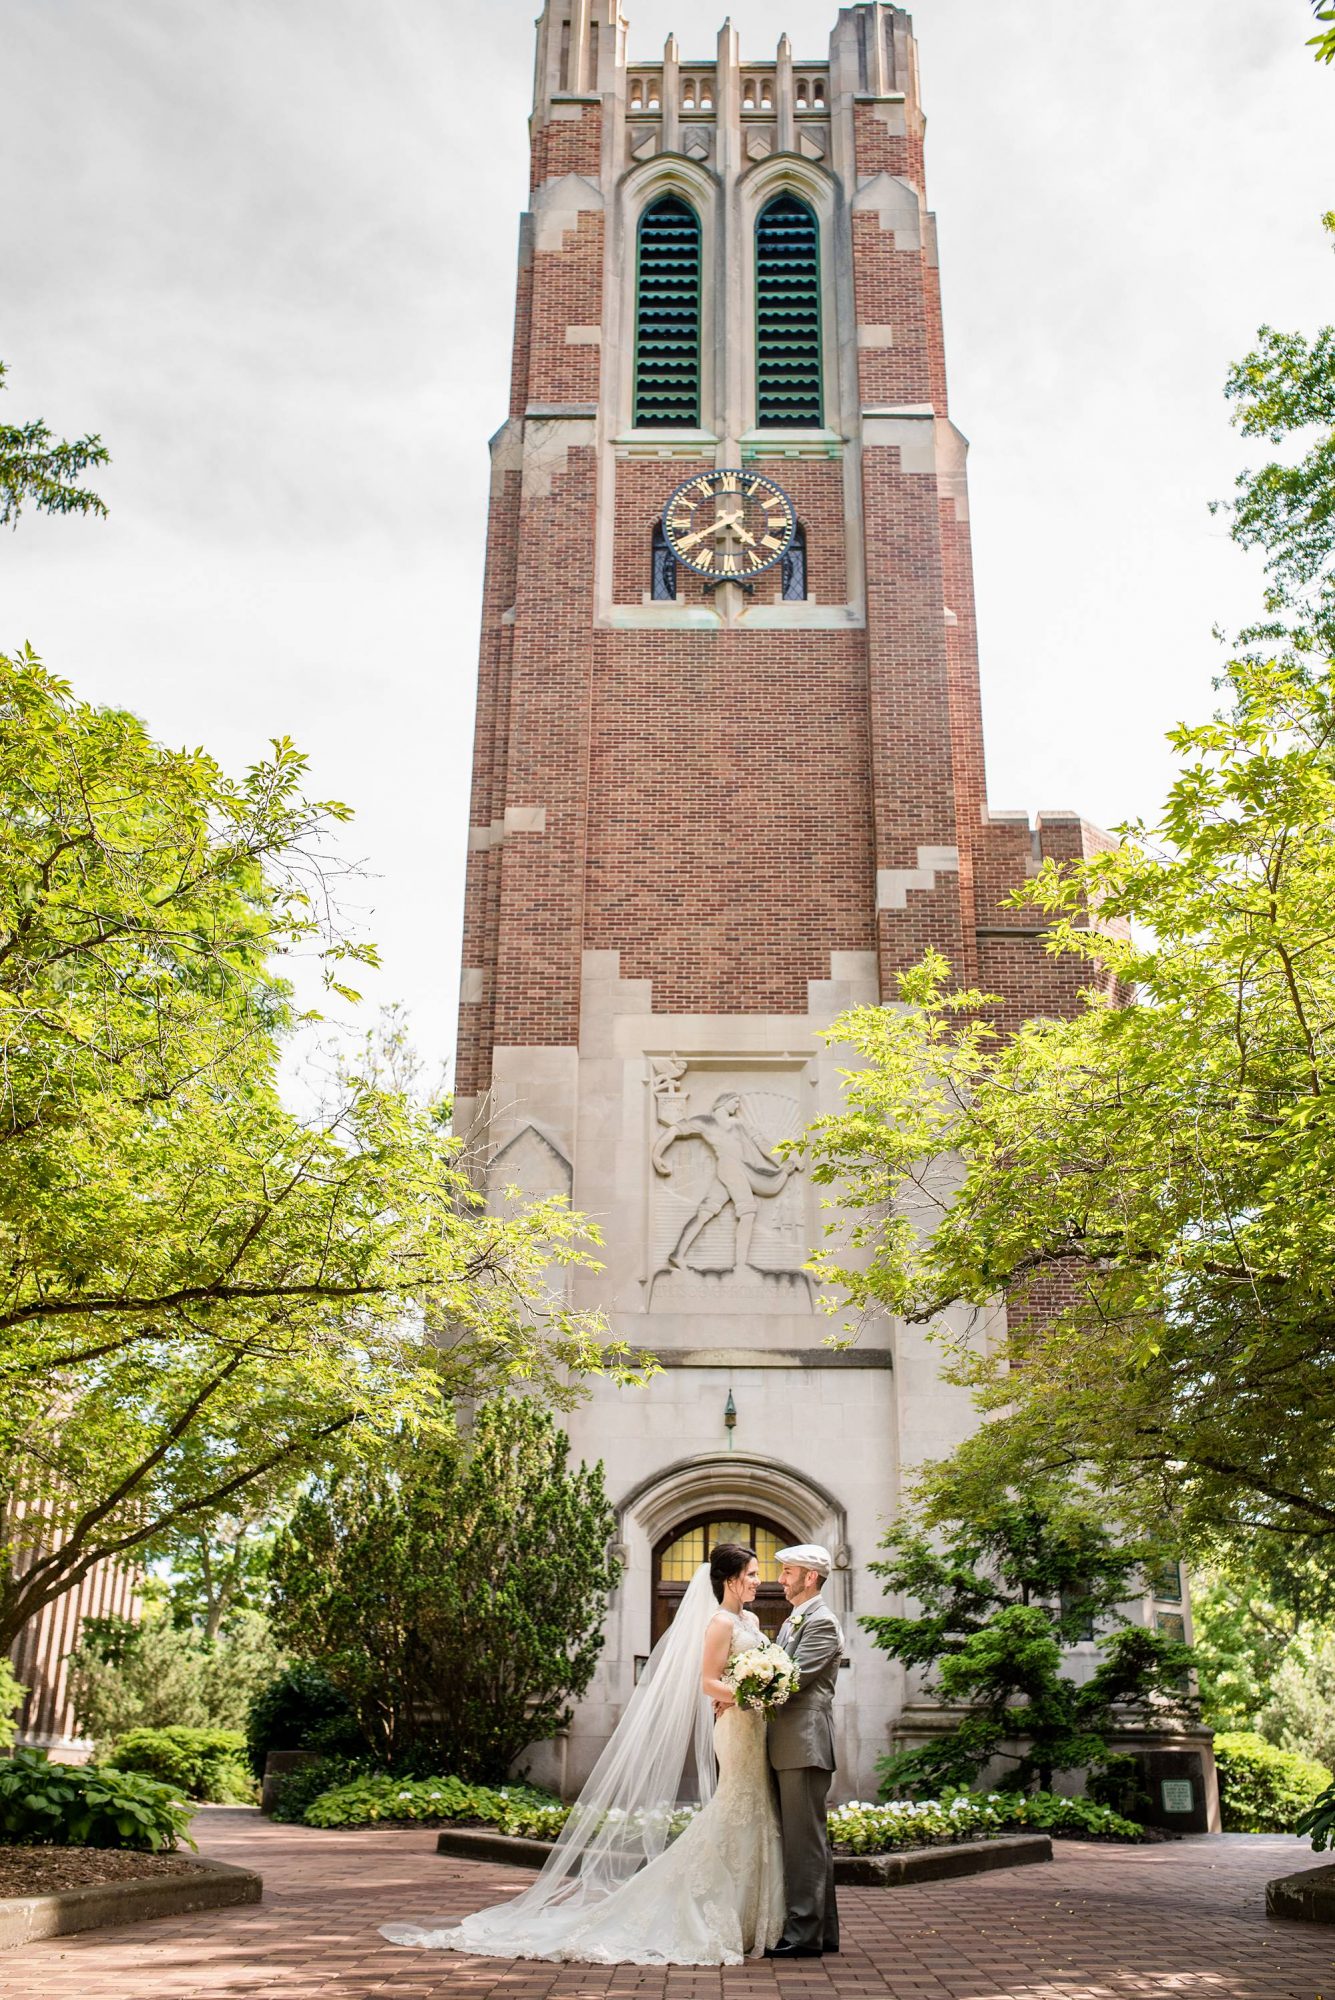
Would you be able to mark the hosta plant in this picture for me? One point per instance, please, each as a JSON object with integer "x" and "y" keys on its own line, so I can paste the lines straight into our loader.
{"x": 69, "y": 1805}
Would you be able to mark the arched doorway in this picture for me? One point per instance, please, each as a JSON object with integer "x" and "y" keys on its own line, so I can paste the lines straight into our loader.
{"x": 680, "y": 1552}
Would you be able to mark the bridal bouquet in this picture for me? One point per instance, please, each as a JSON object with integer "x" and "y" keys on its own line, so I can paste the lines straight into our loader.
{"x": 762, "y": 1677}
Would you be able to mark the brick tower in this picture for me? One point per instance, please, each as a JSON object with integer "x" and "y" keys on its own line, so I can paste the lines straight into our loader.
{"x": 713, "y": 803}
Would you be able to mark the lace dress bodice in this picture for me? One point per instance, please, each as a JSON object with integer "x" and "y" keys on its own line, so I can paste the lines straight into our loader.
{"x": 739, "y": 1738}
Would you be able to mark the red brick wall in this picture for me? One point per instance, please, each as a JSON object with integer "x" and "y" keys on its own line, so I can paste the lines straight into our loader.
{"x": 729, "y": 830}
{"x": 568, "y": 146}
{"x": 540, "y": 915}
{"x": 881, "y": 151}
{"x": 567, "y": 291}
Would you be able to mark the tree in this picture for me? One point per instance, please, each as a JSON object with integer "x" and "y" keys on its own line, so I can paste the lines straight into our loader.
{"x": 1324, "y": 43}
{"x": 39, "y": 469}
{"x": 204, "y": 1294}
{"x": 1001, "y": 1596}
{"x": 219, "y": 1569}
{"x": 1240, "y": 1641}
{"x": 1285, "y": 392}
{"x": 457, "y": 1603}
{"x": 1149, "y": 1185}
{"x": 1267, "y": 1665}
{"x": 12, "y": 1692}
{"x": 1300, "y": 1713}
{"x": 155, "y": 1674}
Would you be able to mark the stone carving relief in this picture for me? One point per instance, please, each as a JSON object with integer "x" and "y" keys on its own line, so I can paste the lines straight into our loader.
{"x": 727, "y": 1218}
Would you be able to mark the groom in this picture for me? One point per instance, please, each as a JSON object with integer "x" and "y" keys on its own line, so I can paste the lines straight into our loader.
{"x": 801, "y": 1750}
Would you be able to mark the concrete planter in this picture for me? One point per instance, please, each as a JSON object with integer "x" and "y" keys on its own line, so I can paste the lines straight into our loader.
{"x": 1308, "y": 1896}
{"x": 208, "y": 1885}
{"x": 878, "y": 1871}
{"x": 940, "y": 1864}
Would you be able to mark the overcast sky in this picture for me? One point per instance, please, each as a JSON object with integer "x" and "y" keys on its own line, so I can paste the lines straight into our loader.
{"x": 267, "y": 248}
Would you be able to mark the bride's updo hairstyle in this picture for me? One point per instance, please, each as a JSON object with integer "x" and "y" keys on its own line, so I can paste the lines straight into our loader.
{"x": 727, "y": 1560}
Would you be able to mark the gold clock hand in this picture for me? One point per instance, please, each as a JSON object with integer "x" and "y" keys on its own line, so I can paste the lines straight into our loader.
{"x": 734, "y": 522}
{"x": 689, "y": 541}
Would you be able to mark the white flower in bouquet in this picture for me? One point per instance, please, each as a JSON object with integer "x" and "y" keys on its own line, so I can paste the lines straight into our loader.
{"x": 764, "y": 1676}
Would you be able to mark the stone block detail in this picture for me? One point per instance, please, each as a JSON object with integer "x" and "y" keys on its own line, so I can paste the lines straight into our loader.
{"x": 894, "y": 884}
{"x": 896, "y": 205}
{"x": 525, "y": 819}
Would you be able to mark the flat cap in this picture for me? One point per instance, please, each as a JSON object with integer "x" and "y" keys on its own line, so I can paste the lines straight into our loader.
{"x": 808, "y": 1555}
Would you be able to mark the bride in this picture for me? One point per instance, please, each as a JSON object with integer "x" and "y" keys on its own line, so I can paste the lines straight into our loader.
{"x": 617, "y": 1889}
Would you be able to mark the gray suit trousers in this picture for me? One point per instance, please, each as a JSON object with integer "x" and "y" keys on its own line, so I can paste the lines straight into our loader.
{"x": 808, "y": 1863}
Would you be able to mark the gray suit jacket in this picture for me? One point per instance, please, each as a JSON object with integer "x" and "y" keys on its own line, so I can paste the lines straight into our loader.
{"x": 801, "y": 1733}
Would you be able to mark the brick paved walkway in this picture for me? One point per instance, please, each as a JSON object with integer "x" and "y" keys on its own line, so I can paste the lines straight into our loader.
{"x": 1099, "y": 1923}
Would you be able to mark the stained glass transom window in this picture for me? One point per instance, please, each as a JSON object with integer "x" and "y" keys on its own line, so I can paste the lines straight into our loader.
{"x": 681, "y": 1553}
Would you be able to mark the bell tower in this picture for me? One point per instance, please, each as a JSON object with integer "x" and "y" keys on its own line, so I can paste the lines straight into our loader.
{"x": 728, "y": 775}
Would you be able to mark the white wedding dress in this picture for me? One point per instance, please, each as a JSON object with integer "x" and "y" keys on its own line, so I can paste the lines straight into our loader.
{"x": 712, "y": 1896}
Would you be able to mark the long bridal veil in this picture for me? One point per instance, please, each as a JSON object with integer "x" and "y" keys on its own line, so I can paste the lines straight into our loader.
{"x": 659, "y": 1760}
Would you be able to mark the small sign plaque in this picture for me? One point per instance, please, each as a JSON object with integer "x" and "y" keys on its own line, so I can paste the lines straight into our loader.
{"x": 1176, "y": 1795}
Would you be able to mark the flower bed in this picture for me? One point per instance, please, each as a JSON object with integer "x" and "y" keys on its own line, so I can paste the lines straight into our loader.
{"x": 854, "y": 1829}
{"x": 859, "y": 1828}
{"x": 371, "y": 1801}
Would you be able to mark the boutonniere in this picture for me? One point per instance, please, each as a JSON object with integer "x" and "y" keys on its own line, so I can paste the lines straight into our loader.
{"x": 799, "y": 1618}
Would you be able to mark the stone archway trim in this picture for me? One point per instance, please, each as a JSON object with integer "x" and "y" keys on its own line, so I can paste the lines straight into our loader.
{"x": 745, "y": 1480}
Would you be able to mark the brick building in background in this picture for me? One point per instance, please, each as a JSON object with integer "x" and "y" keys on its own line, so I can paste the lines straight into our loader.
{"x": 713, "y": 806}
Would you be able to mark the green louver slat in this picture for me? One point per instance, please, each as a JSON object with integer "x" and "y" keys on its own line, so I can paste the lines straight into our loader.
{"x": 788, "y": 375}
{"x": 667, "y": 318}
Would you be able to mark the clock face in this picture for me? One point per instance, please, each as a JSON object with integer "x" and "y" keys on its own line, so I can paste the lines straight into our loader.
{"x": 729, "y": 523}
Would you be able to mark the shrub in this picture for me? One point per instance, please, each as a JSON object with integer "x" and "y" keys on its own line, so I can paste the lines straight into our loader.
{"x": 301, "y": 1710}
{"x": 12, "y": 1692}
{"x": 70, "y": 1805}
{"x": 157, "y": 1675}
{"x": 300, "y": 1788}
{"x": 1120, "y": 1782}
{"x": 1000, "y": 1596}
{"x": 1262, "y": 1789}
{"x": 369, "y": 1801}
{"x": 1077, "y": 1819}
{"x": 458, "y": 1602}
{"x": 1319, "y": 1820}
{"x": 203, "y": 1763}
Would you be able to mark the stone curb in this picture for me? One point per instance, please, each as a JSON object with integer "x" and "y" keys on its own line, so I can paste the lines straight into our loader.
{"x": 1308, "y": 1896}
{"x": 881, "y": 1871}
{"x": 940, "y": 1864}
{"x": 210, "y": 1885}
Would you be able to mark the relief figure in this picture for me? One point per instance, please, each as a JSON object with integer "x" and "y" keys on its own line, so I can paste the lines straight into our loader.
{"x": 745, "y": 1172}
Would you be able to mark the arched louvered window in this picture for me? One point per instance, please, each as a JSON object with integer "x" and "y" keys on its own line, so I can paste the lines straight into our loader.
{"x": 663, "y": 573}
{"x": 793, "y": 568}
{"x": 667, "y": 315}
{"x": 788, "y": 385}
